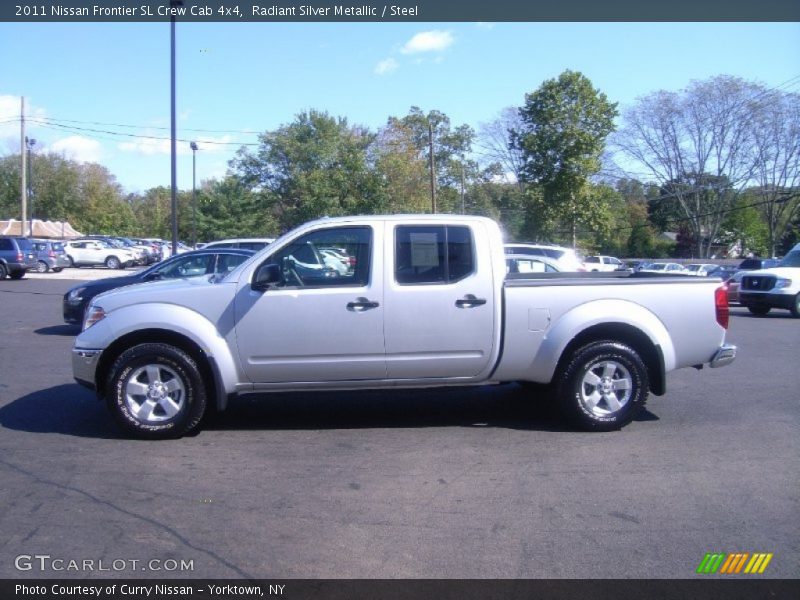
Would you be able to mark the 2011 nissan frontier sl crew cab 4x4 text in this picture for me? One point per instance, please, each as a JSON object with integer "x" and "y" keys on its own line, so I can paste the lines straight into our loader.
{"x": 388, "y": 302}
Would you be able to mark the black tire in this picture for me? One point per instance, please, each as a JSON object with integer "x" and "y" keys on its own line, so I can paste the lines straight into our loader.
{"x": 41, "y": 267}
{"x": 177, "y": 385}
{"x": 57, "y": 269}
{"x": 17, "y": 274}
{"x": 3, "y": 271}
{"x": 795, "y": 309}
{"x": 604, "y": 409}
{"x": 759, "y": 311}
{"x": 112, "y": 262}
{"x": 72, "y": 262}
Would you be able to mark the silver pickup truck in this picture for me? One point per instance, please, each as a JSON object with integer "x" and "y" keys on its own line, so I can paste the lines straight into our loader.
{"x": 389, "y": 302}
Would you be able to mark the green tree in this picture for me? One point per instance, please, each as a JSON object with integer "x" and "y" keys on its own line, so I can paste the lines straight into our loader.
{"x": 314, "y": 166}
{"x": 565, "y": 124}
{"x": 451, "y": 145}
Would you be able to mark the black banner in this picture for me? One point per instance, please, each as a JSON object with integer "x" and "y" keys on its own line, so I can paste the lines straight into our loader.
{"x": 300, "y": 589}
{"x": 399, "y": 11}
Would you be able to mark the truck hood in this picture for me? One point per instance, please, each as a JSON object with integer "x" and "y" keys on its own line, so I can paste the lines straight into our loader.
{"x": 169, "y": 291}
{"x": 785, "y": 272}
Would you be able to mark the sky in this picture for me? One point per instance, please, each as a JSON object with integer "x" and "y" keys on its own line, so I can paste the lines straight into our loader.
{"x": 100, "y": 91}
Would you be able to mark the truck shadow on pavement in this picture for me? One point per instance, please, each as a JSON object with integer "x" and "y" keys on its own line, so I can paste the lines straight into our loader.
{"x": 70, "y": 409}
{"x": 505, "y": 406}
{"x": 67, "y": 409}
{"x": 62, "y": 330}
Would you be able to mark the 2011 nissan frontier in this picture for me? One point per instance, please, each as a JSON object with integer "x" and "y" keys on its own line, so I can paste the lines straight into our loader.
{"x": 388, "y": 302}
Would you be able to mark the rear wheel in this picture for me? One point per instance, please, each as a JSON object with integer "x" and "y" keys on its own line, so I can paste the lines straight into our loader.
{"x": 795, "y": 309}
{"x": 3, "y": 271}
{"x": 72, "y": 262}
{"x": 759, "y": 311}
{"x": 156, "y": 391}
{"x": 604, "y": 386}
{"x": 41, "y": 267}
{"x": 17, "y": 274}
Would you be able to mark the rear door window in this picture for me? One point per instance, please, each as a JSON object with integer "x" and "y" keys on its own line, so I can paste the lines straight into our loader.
{"x": 431, "y": 254}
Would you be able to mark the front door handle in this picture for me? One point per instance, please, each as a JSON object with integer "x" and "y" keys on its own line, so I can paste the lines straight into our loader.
{"x": 470, "y": 301}
{"x": 361, "y": 304}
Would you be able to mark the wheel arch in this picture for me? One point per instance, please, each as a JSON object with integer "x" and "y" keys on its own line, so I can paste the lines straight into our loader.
{"x": 205, "y": 363}
{"x": 650, "y": 352}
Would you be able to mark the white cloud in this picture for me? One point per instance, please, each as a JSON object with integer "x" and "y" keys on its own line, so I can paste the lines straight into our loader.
{"x": 386, "y": 66}
{"x": 9, "y": 119}
{"x": 428, "y": 41}
{"x": 77, "y": 148}
{"x": 485, "y": 25}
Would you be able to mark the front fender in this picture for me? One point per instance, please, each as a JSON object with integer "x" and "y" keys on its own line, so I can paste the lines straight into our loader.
{"x": 129, "y": 320}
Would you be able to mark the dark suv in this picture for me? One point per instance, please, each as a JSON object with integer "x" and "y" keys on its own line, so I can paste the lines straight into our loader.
{"x": 16, "y": 256}
{"x": 754, "y": 264}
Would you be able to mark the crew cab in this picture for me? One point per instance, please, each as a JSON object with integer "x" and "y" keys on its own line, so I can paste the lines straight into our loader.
{"x": 427, "y": 303}
{"x": 777, "y": 287}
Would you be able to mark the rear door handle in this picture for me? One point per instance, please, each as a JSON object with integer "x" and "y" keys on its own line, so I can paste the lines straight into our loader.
{"x": 361, "y": 304}
{"x": 470, "y": 301}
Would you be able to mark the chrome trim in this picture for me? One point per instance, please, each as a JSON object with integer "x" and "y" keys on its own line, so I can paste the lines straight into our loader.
{"x": 724, "y": 356}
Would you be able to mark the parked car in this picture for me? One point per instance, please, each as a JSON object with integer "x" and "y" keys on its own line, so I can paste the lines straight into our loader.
{"x": 428, "y": 305}
{"x": 603, "y": 263}
{"x": 522, "y": 263}
{"x": 217, "y": 262}
{"x": 733, "y": 283}
{"x": 249, "y": 243}
{"x": 17, "y": 256}
{"x": 50, "y": 256}
{"x": 724, "y": 272}
{"x": 567, "y": 258}
{"x": 699, "y": 269}
{"x": 89, "y": 253}
{"x": 663, "y": 267}
{"x": 155, "y": 248}
{"x": 775, "y": 287}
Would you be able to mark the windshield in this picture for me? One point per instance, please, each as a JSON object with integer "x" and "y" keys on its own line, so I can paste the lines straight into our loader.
{"x": 791, "y": 260}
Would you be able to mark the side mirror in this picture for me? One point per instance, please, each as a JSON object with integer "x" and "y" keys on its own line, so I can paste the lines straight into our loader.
{"x": 154, "y": 276}
{"x": 266, "y": 276}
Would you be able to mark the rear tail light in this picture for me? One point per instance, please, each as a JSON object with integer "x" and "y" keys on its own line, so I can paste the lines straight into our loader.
{"x": 51, "y": 254}
{"x": 721, "y": 304}
{"x": 20, "y": 257}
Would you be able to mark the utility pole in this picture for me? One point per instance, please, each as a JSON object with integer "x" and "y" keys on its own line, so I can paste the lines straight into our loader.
{"x": 433, "y": 168}
{"x": 173, "y": 132}
{"x": 23, "y": 171}
{"x": 462, "y": 186}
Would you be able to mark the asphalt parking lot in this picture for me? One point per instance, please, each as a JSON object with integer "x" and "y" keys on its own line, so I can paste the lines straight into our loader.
{"x": 481, "y": 483}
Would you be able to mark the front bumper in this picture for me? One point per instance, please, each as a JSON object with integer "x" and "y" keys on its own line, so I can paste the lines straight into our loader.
{"x": 724, "y": 356}
{"x": 84, "y": 365}
{"x": 774, "y": 300}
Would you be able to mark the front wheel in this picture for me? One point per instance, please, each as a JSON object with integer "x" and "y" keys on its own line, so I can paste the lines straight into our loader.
{"x": 156, "y": 391}
{"x": 759, "y": 311}
{"x": 41, "y": 267}
{"x": 604, "y": 386}
{"x": 112, "y": 262}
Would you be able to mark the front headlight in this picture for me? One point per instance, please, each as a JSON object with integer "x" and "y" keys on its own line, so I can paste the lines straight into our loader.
{"x": 92, "y": 316}
{"x": 74, "y": 295}
{"x": 781, "y": 283}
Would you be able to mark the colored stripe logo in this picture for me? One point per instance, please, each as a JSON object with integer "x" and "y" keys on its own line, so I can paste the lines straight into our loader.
{"x": 734, "y": 563}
